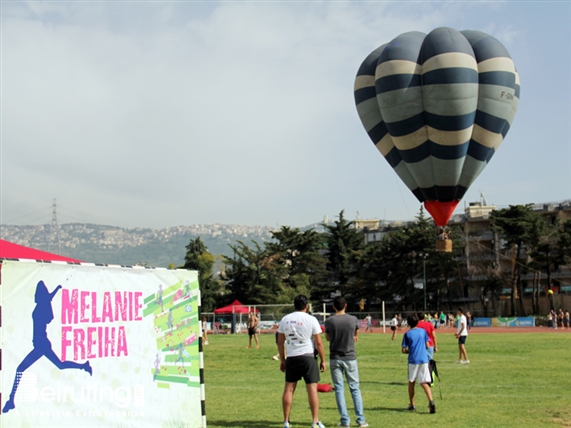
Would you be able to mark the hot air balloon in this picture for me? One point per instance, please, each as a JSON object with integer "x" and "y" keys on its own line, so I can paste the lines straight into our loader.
{"x": 437, "y": 106}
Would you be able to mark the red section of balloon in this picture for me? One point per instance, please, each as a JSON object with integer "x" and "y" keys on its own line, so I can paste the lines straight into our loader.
{"x": 440, "y": 211}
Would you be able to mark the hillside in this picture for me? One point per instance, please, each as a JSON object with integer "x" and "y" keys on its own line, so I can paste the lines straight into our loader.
{"x": 116, "y": 245}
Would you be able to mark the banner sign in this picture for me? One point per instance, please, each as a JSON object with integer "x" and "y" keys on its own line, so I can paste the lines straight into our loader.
{"x": 374, "y": 323}
{"x": 482, "y": 322}
{"x": 514, "y": 322}
{"x": 94, "y": 346}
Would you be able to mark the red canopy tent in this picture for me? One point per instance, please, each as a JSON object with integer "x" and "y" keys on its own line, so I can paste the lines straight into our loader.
{"x": 9, "y": 250}
{"x": 233, "y": 308}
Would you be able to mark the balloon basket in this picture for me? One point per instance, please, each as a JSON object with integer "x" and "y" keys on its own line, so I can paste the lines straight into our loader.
{"x": 444, "y": 245}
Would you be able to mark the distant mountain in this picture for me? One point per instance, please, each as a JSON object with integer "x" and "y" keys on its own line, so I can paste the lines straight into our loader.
{"x": 124, "y": 246}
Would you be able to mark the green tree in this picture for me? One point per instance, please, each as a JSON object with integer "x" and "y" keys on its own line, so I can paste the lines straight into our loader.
{"x": 199, "y": 258}
{"x": 388, "y": 269}
{"x": 343, "y": 242}
{"x": 564, "y": 242}
{"x": 254, "y": 275}
{"x": 299, "y": 254}
{"x": 515, "y": 225}
{"x": 544, "y": 240}
{"x": 407, "y": 250}
{"x": 483, "y": 272}
{"x": 370, "y": 268}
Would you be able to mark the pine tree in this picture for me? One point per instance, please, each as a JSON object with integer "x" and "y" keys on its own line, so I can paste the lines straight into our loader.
{"x": 343, "y": 242}
{"x": 199, "y": 258}
{"x": 515, "y": 225}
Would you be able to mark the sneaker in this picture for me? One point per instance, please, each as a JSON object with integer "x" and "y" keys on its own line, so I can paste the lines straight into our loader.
{"x": 363, "y": 424}
{"x": 411, "y": 407}
{"x": 432, "y": 407}
{"x": 286, "y": 424}
{"x": 317, "y": 425}
{"x": 275, "y": 357}
{"x": 459, "y": 361}
{"x": 465, "y": 362}
{"x": 341, "y": 424}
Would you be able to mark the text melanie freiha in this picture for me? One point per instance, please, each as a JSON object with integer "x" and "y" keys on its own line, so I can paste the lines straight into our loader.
{"x": 81, "y": 311}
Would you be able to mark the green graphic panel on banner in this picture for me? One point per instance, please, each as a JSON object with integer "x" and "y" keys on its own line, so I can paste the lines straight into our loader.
{"x": 174, "y": 311}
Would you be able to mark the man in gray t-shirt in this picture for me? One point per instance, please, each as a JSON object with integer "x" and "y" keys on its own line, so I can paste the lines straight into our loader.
{"x": 341, "y": 330}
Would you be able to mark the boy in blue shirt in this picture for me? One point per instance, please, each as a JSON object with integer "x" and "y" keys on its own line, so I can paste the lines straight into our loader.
{"x": 414, "y": 343}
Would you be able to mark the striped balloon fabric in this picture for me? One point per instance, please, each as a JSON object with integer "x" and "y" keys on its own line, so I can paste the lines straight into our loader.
{"x": 437, "y": 107}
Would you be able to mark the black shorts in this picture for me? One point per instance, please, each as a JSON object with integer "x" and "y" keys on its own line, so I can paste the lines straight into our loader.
{"x": 462, "y": 340}
{"x": 393, "y": 328}
{"x": 302, "y": 367}
{"x": 251, "y": 331}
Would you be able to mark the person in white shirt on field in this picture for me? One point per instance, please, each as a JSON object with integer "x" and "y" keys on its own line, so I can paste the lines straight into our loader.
{"x": 369, "y": 319}
{"x": 394, "y": 324}
{"x": 297, "y": 334}
{"x": 461, "y": 335}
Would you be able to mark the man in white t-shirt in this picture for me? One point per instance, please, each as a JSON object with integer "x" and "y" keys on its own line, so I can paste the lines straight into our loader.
{"x": 461, "y": 335}
{"x": 394, "y": 324}
{"x": 297, "y": 334}
{"x": 369, "y": 319}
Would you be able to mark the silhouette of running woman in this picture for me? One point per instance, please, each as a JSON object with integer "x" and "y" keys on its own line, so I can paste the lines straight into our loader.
{"x": 169, "y": 320}
{"x": 187, "y": 288}
{"x": 159, "y": 296}
{"x": 181, "y": 354}
{"x": 157, "y": 367}
{"x": 42, "y": 316}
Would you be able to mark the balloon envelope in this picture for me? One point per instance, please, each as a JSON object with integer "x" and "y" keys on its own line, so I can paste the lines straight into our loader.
{"x": 437, "y": 107}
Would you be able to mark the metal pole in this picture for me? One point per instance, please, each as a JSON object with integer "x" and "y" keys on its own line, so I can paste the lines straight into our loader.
{"x": 233, "y": 326}
{"x": 384, "y": 327}
{"x": 424, "y": 282}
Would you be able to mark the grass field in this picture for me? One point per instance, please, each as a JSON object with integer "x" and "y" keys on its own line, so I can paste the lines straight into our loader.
{"x": 514, "y": 380}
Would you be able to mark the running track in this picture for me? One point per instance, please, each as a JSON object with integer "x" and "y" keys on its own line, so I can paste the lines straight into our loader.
{"x": 476, "y": 330}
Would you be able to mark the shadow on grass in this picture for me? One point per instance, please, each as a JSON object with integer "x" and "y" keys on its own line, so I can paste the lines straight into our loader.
{"x": 245, "y": 424}
{"x": 375, "y": 409}
{"x": 393, "y": 409}
{"x": 384, "y": 383}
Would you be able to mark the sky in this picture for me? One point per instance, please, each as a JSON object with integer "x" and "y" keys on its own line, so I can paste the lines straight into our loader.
{"x": 167, "y": 113}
